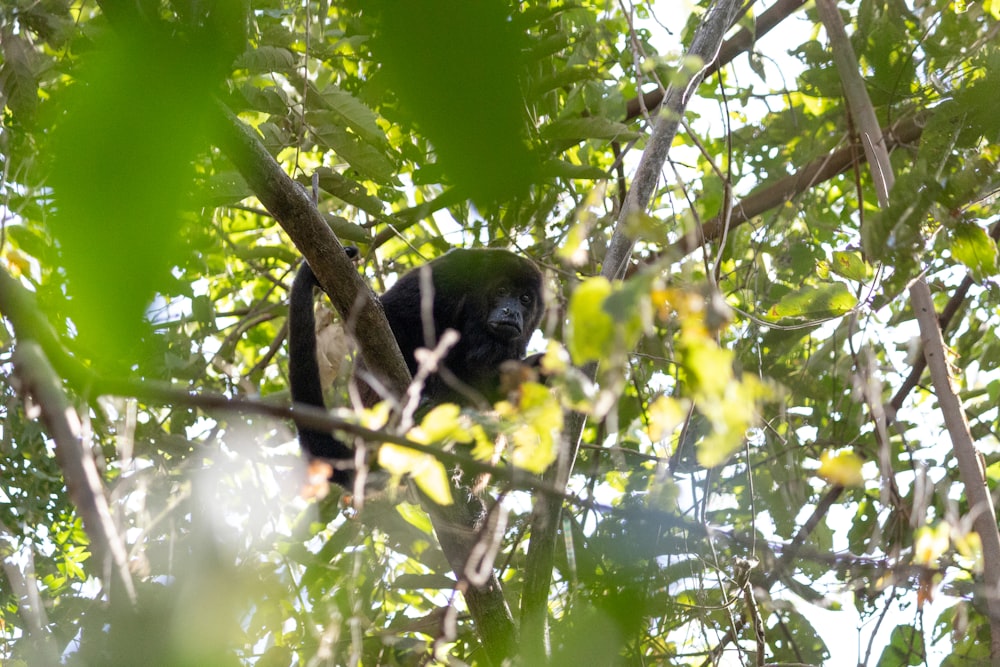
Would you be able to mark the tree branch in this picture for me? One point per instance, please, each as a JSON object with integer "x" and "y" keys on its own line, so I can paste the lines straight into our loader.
{"x": 776, "y": 193}
{"x": 83, "y": 482}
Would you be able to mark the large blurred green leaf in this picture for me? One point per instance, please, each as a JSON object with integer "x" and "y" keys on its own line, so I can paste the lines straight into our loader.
{"x": 122, "y": 174}
{"x": 456, "y": 68}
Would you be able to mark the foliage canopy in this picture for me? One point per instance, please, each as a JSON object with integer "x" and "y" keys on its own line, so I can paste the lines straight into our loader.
{"x": 759, "y": 438}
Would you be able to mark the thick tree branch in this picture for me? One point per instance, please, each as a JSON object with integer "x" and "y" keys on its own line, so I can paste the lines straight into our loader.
{"x": 294, "y": 210}
{"x": 970, "y": 467}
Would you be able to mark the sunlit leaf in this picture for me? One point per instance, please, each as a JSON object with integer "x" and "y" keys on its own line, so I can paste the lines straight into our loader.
{"x": 851, "y": 265}
{"x": 425, "y": 470}
{"x": 827, "y": 300}
{"x": 591, "y": 327}
{"x": 972, "y": 246}
{"x": 539, "y": 420}
{"x": 970, "y": 549}
{"x": 442, "y": 423}
{"x": 843, "y": 468}
{"x": 665, "y": 414}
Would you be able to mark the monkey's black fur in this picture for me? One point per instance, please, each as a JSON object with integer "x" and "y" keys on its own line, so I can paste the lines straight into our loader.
{"x": 492, "y": 298}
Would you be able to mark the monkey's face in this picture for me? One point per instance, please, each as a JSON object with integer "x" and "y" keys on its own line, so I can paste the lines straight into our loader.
{"x": 511, "y": 312}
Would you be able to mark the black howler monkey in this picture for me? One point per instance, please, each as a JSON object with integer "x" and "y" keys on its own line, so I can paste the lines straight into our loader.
{"x": 492, "y": 298}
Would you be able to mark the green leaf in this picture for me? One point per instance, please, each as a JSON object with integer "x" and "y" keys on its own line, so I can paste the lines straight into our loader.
{"x": 122, "y": 168}
{"x": 574, "y": 129}
{"x": 563, "y": 78}
{"x": 349, "y": 190}
{"x": 363, "y": 156}
{"x": 972, "y": 246}
{"x": 906, "y": 647}
{"x": 563, "y": 169}
{"x": 355, "y": 115}
{"x": 457, "y": 68}
{"x": 591, "y": 328}
{"x": 266, "y": 59}
{"x": 851, "y": 265}
{"x": 828, "y": 300}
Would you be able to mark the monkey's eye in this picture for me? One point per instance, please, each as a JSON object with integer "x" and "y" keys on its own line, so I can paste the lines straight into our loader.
{"x": 503, "y": 292}
{"x": 526, "y": 299}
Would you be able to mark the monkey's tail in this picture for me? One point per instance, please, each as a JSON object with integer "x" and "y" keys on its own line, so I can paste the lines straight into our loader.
{"x": 303, "y": 373}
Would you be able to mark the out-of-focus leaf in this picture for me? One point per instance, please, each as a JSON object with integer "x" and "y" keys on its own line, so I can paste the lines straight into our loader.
{"x": 540, "y": 420}
{"x": 563, "y": 169}
{"x": 828, "y": 300}
{"x": 972, "y": 246}
{"x": 591, "y": 330}
{"x": 121, "y": 174}
{"x": 426, "y": 471}
{"x": 665, "y": 414}
{"x": 843, "y": 468}
{"x": 930, "y": 543}
{"x": 456, "y": 68}
{"x": 851, "y": 265}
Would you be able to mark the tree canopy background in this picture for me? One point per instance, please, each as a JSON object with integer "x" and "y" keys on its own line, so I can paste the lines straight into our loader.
{"x": 771, "y": 370}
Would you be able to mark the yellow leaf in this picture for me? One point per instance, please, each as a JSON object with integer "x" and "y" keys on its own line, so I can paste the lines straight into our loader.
{"x": 930, "y": 543}
{"x": 970, "y": 548}
{"x": 556, "y": 360}
{"x": 535, "y": 441}
{"x": 428, "y": 473}
{"x": 843, "y": 468}
{"x": 375, "y": 417}
{"x": 432, "y": 479}
{"x": 665, "y": 414}
{"x": 537, "y": 420}
{"x": 591, "y": 328}
{"x": 442, "y": 423}
{"x": 484, "y": 448}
